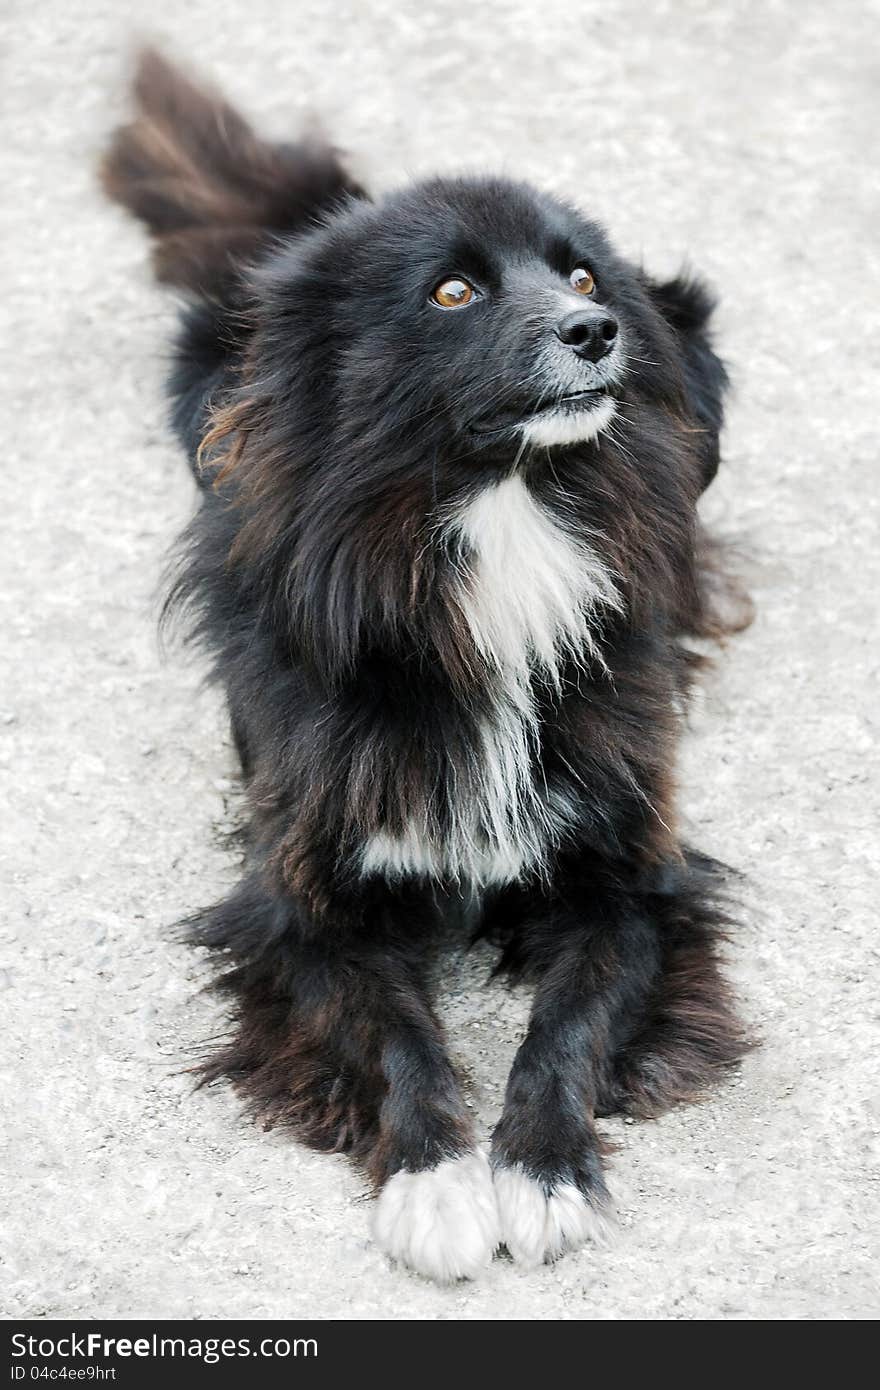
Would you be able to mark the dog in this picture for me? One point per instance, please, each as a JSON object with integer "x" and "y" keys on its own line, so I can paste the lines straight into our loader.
{"x": 447, "y": 566}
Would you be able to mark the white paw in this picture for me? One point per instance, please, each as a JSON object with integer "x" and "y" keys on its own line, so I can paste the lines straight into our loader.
{"x": 536, "y": 1227}
{"x": 442, "y": 1222}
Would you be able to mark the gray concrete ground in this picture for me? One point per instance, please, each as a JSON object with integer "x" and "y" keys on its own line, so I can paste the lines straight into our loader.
{"x": 740, "y": 136}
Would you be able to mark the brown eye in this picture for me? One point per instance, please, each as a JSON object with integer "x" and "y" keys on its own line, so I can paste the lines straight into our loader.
{"x": 581, "y": 280}
{"x": 453, "y": 293}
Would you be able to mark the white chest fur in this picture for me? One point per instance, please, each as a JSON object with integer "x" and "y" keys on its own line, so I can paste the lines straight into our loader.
{"x": 529, "y": 591}
{"x": 533, "y": 587}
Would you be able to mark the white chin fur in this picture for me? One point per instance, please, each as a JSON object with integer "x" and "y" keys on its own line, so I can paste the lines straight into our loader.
{"x": 442, "y": 1222}
{"x": 567, "y": 426}
{"x": 536, "y": 1227}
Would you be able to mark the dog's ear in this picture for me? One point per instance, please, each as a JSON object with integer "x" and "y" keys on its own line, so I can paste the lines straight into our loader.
{"x": 687, "y": 306}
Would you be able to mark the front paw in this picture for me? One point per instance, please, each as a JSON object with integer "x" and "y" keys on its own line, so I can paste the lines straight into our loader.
{"x": 542, "y": 1218}
{"x": 442, "y": 1222}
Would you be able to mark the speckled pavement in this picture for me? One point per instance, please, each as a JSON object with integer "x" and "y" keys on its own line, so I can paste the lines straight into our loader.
{"x": 737, "y": 136}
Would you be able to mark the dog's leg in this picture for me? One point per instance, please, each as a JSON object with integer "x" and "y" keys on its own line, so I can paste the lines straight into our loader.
{"x": 336, "y": 1039}
{"x": 595, "y": 944}
{"x": 689, "y": 1034}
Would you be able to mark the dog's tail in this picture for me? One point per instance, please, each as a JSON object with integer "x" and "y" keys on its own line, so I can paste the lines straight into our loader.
{"x": 211, "y": 193}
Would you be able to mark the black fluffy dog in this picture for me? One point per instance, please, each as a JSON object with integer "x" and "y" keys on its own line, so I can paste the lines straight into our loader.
{"x": 450, "y": 447}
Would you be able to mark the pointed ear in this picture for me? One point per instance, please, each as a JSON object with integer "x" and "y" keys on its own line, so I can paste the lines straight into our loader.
{"x": 687, "y": 306}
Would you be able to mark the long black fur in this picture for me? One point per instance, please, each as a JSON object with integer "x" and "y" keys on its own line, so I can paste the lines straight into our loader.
{"x": 331, "y": 416}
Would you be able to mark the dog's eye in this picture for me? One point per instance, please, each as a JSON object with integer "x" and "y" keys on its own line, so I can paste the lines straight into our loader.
{"x": 453, "y": 293}
{"x": 581, "y": 280}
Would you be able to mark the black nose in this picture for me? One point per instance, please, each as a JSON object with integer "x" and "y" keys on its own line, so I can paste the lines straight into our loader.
{"x": 591, "y": 332}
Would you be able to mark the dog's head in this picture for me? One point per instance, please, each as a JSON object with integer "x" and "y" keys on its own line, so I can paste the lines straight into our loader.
{"x": 472, "y": 317}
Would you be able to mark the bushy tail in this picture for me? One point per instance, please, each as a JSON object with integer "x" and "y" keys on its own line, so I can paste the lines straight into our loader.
{"x": 210, "y": 192}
